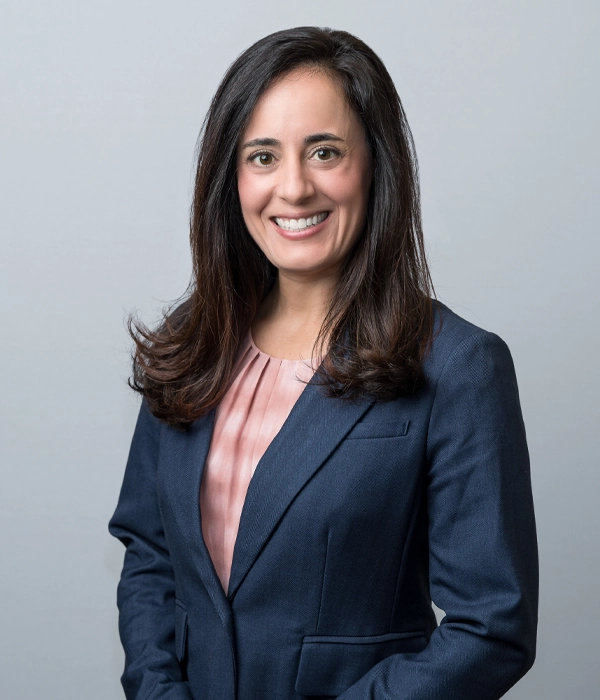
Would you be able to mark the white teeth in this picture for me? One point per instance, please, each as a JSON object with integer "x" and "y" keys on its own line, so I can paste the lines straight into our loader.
{"x": 300, "y": 224}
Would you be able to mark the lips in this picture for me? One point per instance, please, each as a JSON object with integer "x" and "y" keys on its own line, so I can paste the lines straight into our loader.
{"x": 298, "y": 234}
{"x": 302, "y": 223}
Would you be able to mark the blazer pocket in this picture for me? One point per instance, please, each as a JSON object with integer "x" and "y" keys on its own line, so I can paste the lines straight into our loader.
{"x": 330, "y": 665}
{"x": 181, "y": 625}
{"x": 380, "y": 429}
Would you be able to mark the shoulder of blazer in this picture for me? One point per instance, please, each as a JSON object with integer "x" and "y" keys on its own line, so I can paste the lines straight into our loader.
{"x": 450, "y": 331}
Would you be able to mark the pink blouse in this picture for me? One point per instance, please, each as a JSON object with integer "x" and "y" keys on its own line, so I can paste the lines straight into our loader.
{"x": 260, "y": 398}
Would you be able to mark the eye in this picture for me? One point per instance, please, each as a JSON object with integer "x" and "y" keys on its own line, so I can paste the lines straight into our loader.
{"x": 324, "y": 154}
{"x": 262, "y": 158}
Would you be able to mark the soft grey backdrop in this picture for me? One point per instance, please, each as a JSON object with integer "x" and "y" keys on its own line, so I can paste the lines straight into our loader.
{"x": 101, "y": 104}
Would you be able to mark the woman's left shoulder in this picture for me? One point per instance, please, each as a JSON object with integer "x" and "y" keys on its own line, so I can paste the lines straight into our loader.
{"x": 457, "y": 343}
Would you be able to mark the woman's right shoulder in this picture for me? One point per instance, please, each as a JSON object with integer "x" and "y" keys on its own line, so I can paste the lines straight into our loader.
{"x": 148, "y": 426}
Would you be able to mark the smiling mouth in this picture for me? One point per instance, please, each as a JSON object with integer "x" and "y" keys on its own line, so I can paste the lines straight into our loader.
{"x": 300, "y": 224}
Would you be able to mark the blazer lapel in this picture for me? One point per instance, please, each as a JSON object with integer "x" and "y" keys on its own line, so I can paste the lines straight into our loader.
{"x": 312, "y": 431}
{"x": 187, "y": 454}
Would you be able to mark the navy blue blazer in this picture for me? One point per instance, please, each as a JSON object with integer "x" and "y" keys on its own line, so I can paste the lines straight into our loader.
{"x": 358, "y": 515}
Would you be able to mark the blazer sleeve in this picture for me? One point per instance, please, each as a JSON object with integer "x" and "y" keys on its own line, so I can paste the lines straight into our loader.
{"x": 146, "y": 590}
{"x": 483, "y": 566}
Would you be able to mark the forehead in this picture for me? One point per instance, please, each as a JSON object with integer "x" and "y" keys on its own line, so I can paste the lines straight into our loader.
{"x": 303, "y": 102}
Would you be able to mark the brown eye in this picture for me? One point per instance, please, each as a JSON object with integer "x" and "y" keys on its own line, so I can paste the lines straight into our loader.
{"x": 324, "y": 154}
{"x": 265, "y": 158}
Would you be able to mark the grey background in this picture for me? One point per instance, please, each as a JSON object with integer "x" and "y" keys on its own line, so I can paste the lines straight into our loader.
{"x": 101, "y": 103}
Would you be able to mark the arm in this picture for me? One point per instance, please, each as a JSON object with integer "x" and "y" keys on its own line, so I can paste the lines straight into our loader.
{"x": 146, "y": 591}
{"x": 482, "y": 540}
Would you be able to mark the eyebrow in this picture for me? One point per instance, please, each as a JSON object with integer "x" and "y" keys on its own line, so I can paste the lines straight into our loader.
{"x": 308, "y": 140}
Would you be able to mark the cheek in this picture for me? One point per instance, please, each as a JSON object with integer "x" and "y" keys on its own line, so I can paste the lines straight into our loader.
{"x": 253, "y": 195}
{"x": 349, "y": 191}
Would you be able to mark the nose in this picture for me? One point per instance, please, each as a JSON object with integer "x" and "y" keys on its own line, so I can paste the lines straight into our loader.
{"x": 295, "y": 183}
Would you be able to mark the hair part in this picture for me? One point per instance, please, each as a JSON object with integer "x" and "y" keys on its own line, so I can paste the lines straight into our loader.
{"x": 379, "y": 323}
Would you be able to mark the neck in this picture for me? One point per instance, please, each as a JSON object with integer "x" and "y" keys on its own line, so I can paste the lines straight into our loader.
{"x": 302, "y": 300}
{"x": 290, "y": 318}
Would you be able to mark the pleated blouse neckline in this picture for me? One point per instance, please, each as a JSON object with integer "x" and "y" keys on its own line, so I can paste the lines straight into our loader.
{"x": 257, "y": 403}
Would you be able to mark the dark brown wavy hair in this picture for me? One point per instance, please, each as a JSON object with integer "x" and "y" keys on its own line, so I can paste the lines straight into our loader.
{"x": 379, "y": 323}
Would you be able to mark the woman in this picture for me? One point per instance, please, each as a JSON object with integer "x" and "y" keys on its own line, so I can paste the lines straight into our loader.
{"x": 321, "y": 450}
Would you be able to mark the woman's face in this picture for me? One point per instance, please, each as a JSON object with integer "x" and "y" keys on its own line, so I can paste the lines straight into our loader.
{"x": 304, "y": 173}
